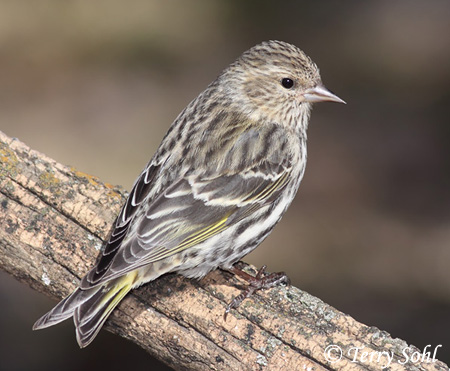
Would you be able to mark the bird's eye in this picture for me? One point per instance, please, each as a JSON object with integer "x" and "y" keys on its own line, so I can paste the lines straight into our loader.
{"x": 287, "y": 83}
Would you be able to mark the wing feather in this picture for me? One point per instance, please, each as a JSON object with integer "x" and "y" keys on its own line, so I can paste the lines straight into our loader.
{"x": 193, "y": 208}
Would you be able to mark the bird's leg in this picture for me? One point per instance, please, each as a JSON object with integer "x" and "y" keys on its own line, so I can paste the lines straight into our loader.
{"x": 260, "y": 281}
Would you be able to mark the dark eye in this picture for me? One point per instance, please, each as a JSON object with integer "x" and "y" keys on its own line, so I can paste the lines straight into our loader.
{"x": 287, "y": 83}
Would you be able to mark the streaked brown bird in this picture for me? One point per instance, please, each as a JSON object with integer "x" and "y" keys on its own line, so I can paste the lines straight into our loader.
{"x": 221, "y": 179}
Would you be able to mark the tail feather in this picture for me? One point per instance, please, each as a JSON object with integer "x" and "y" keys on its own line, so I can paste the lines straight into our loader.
{"x": 89, "y": 308}
{"x": 65, "y": 308}
{"x": 91, "y": 315}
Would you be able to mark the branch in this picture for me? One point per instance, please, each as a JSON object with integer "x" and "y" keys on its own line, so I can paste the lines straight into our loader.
{"x": 53, "y": 223}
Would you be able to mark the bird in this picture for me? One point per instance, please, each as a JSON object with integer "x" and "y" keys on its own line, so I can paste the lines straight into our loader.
{"x": 221, "y": 179}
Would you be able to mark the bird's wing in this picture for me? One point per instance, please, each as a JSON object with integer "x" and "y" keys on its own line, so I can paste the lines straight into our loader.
{"x": 194, "y": 207}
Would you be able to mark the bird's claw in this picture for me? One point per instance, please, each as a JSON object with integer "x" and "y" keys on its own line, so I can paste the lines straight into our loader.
{"x": 255, "y": 283}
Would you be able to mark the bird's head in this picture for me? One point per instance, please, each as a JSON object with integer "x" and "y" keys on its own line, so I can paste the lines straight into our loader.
{"x": 278, "y": 81}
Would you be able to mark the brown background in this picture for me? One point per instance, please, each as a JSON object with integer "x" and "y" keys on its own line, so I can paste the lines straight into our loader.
{"x": 96, "y": 84}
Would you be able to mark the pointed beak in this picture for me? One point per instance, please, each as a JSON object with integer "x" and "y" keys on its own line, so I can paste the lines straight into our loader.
{"x": 320, "y": 93}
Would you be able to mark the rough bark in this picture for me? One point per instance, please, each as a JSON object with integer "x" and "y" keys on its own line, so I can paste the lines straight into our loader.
{"x": 53, "y": 220}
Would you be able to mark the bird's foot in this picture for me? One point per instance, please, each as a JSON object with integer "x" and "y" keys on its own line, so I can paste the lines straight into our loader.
{"x": 259, "y": 282}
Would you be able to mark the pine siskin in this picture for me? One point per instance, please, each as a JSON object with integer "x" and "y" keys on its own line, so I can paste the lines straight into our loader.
{"x": 223, "y": 176}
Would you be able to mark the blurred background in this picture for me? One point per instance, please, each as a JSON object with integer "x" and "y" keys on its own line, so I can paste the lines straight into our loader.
{"x": 95, "y": 85}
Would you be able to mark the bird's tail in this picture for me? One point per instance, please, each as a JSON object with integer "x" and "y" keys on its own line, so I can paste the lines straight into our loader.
{"x": 89, "y": 307}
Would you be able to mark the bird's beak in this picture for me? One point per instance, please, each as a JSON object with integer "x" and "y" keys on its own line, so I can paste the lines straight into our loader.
{"x": 320, "y": 93}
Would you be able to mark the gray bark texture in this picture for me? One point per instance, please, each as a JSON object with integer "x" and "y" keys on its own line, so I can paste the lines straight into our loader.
{"x": 53, "y": 221}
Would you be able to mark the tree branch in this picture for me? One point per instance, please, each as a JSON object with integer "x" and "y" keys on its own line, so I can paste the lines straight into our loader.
{"x": 53, "y": 223}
